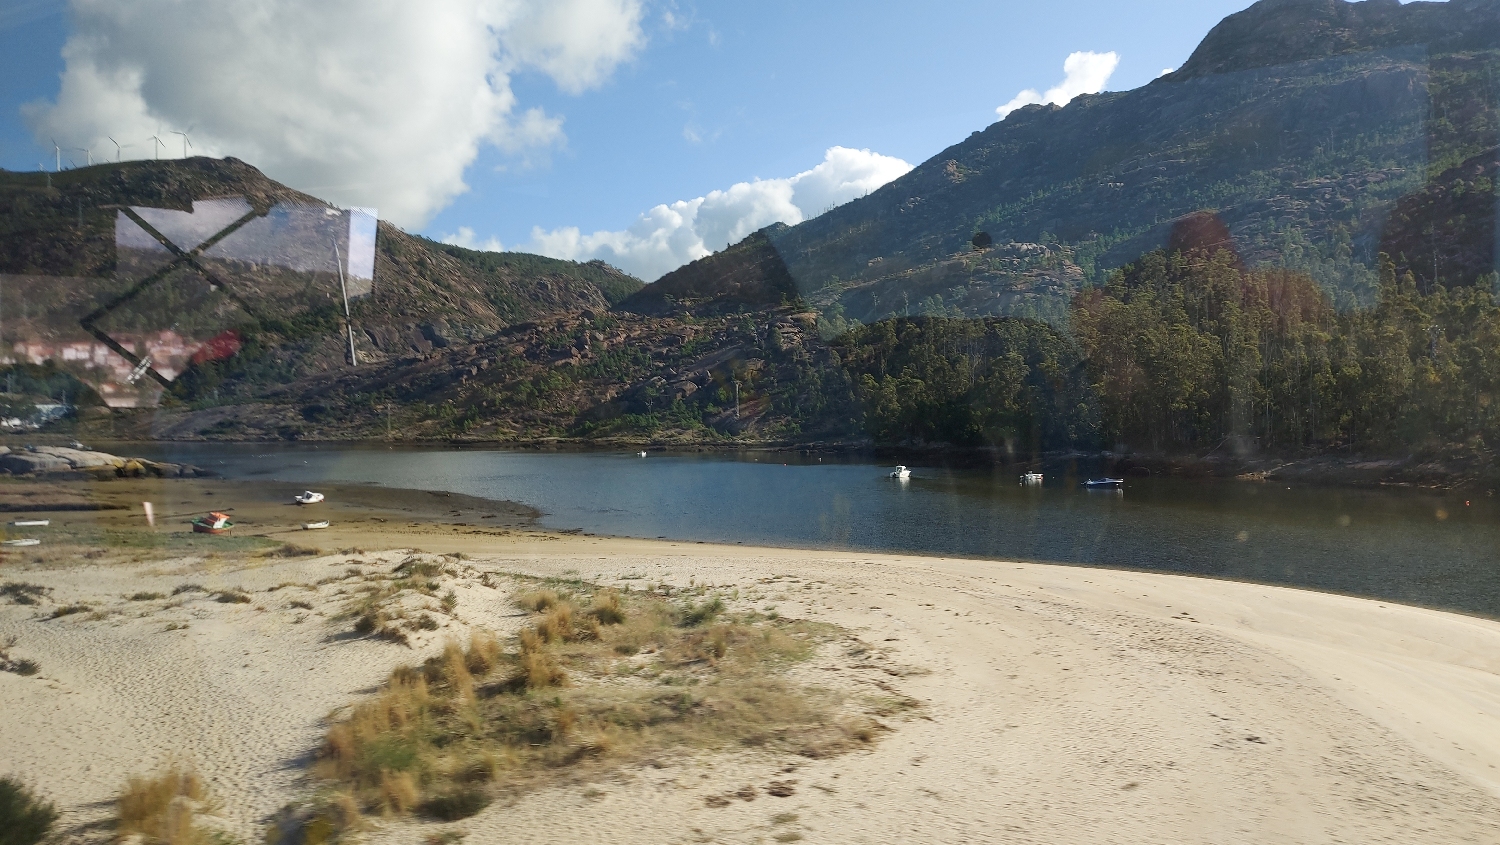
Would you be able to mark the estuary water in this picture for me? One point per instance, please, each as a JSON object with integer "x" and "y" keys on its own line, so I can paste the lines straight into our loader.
{"x": 1414, "y": 547}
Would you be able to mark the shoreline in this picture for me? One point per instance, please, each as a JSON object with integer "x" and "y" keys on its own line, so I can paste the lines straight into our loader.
{"x": 440, "y": 511}
{"x": 1430, "y": 472}
{"x": 1081, "y": 704}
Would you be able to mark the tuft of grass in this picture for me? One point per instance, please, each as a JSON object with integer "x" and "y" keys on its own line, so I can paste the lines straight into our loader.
{"x": 294, "y": 550}
{"x": 232, "y": 597}
{"x": 606, "y": 608}
{"x": 450, "y": 602}
{"x": 539, "y": 601}
{"x": 20, "y": 666}
{"x": 699, "y": 614}
{"x": 147, "y": 596}
{"x": 416, "y": 568}
{"x": 300, "y": 605}
{"x": 483, "y": 652}
{"x": 457, "y": 803}
{"x": 25, "y": 819}
{"x": 24, "y": 593}
{"x": 189, "y": 588}
{"x": 25, "y": 668}
{"x": 480, "y": 720}
{"x": 69, "y": 610}
{"x": 163, "y": 808}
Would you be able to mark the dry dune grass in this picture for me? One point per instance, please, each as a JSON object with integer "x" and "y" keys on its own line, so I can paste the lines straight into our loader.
{"x": 163, "y": 809}
{"x": 597, "y": 679}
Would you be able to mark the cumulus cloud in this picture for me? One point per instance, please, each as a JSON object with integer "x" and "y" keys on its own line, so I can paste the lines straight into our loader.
{"x": 670, "y": 235}
{"x": 466, "y": 238}
{"x": 1083, "y": 73}
{"x": 367, "y": 102}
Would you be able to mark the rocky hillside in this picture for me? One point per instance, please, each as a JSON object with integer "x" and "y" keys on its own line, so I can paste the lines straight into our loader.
{"x": 589, "y": 375}
{"x": 425, "y": 295}
{"x": 746, "y": 276}
{"x": 1302, "y": 124}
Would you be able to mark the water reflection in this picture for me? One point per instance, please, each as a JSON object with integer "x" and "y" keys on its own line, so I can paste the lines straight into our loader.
{"x": 1411, "y": 547}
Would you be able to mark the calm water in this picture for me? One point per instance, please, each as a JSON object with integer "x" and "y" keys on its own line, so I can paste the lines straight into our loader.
{"x": 1410, "y": 547}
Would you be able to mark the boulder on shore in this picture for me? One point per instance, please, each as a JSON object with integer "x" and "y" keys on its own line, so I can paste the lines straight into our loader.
{"x": 42, "y": 460}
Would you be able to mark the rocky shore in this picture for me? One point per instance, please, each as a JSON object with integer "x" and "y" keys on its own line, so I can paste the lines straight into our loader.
{"x": 54, "y": 460}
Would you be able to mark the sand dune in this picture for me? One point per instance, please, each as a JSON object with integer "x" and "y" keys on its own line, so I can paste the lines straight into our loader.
{"x": 1061, "y": 704}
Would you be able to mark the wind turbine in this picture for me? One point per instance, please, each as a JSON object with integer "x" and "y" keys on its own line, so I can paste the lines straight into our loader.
{"x": 119, "y": 148}
{"x": 159, "y": 144}
{"x": 56, "y": 151}
{"x": 185, "y": 142}
{"x": 87, "y": 152}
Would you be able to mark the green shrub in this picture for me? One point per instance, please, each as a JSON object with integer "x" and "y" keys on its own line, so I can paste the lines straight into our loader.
{"x": 25, "y": 819}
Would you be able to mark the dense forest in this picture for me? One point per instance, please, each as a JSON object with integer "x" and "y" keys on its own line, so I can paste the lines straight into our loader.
{"x": 1185, "y": 350}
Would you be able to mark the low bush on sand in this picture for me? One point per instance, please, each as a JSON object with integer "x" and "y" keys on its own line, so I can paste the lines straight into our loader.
{"x": 25, "y": 819}
{"x": 162, "y": 809}
{"x": 23, "y": 593}
{"x": 18, "y": 665}
{"x": 596, "y": 679}
{"x": 69, "y": 610}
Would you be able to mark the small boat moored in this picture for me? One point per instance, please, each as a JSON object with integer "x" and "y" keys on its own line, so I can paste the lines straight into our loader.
{"x": 1031, "y": 478}
{"x": 214, "y": 523}
{"x": 32, "y": 523}
{"x": 311, "y": 526}
{"x": 308, "y": 497}
{"x": 902, "y": 473}
{"x": 1104, "y": 483}
{"x": 24, "y": 541}
{"x": 643, "y": 454}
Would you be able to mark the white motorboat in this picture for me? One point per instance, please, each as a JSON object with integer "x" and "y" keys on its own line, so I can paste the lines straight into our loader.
{"x": 26, "y": 541}
{"x": 1104, "y": 483}
{"x": 643, "y": 454}
{"x": 902, "y": 473}
{"x": 1031, "y": 478}
{"x": 32, "y": 523}
{"x": 312, "y": 526}
{"x": 308, "y": 497}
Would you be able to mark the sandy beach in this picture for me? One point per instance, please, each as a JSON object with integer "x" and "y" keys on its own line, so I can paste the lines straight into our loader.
{"x": 1058, "y": 704}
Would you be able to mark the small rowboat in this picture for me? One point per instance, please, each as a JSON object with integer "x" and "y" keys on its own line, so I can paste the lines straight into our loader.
{"x": 32, "y": 523}
{"x": 1031, "y": 478}
{"x": 22, "y": 542}
{"x": 214, "y": 523}
{"x": 311, "y": 526}
{"x": 308, "y": 498}
{"x": 1104, "y": 483}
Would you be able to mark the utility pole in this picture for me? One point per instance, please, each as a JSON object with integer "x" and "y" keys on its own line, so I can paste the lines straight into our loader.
{"x": 338, "y": 260}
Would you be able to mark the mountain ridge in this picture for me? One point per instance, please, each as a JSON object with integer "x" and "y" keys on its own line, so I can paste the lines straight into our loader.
{"x": 1294, "y": 119}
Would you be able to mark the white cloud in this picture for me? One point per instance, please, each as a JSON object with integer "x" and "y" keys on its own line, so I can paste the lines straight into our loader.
{"x": 576, "y": 42}
{"x": 669, "y": 236}
{"x": 1165, "y": 71}
{"x": 466, "y": 238}
{"x": 1083, "y": 73}
{"x": 366, "y": 102}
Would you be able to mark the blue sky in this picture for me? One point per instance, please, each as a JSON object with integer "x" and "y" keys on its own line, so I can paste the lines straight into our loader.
{"x": 707, "y": 95}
